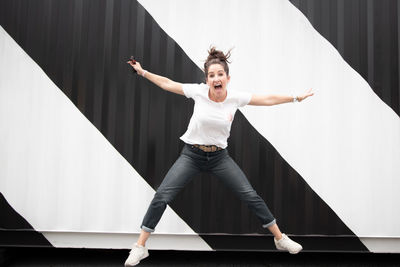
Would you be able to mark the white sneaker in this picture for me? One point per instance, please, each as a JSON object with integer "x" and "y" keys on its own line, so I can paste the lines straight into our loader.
{"x": 137, "y": 254}
{"x": 285, "y": 243}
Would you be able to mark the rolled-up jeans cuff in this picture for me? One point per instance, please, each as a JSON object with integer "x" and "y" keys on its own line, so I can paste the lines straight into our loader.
{"x": 269, "y": 224}
{"x": 149, "y": 230}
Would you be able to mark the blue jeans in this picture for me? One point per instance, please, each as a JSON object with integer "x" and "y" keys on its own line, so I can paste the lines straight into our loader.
{"x": 193, "y": 161}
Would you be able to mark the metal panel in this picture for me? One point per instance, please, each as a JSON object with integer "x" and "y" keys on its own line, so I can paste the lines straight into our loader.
{"x": 83, "y": 45}
{"x": 366, "y": 34}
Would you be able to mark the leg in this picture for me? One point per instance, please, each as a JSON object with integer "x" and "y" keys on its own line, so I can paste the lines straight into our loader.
{"x": 230, "y": 173}
{"x": 274, "y": 229}
{"x": 176, "y": 179}
{"x": 143, "y": 238}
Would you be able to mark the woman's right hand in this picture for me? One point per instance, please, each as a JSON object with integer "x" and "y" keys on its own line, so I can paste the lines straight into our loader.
{"x": 136, "y": 66}
{"x": 160, "y": 81}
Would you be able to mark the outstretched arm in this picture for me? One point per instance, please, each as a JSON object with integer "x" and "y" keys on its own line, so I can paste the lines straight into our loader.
{"x": 270, "y": 100}
{"x": 160, "y": 81}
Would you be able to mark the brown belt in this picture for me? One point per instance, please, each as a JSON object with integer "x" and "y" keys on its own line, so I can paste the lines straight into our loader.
{"x": 210, "y": 148}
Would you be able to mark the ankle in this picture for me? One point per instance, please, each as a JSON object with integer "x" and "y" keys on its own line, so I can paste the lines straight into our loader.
{"x": 278, "y": 237}
{"x": 141, "y": 244}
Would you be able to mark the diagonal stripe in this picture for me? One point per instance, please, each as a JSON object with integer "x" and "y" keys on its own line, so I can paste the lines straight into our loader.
{"x": 366, "y": 34}
{"x": 341, "y": 141}
{"x": 15, "y": 230}
{"x": 59, "y": 172}
{"x": 144, "y": 124}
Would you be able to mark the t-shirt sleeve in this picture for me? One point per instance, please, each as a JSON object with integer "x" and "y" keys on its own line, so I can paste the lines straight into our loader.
{"x": 243, "y": 98}
{"x": 191, "y": 90}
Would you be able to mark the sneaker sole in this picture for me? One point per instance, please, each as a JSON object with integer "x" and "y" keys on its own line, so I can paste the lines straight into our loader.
{"x": 295, "y": 252}
{"x": 291, "y": 252}
{"x": 136, "y": 263}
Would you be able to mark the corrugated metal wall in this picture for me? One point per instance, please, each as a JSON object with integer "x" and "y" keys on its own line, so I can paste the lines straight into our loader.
{"x": 366, "y": 34}
{"x": 83, "y": 47}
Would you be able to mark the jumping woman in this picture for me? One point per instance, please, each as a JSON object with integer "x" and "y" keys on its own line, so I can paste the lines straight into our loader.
{"x": 205, "y": 147}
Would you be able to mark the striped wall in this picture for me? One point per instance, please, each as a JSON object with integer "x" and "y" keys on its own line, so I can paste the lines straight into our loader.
{"x": 366, "y": 34}
{"x": 93, "y": 172}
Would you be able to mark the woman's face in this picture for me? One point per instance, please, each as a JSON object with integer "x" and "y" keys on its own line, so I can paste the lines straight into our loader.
{"x": 217, "y": 80}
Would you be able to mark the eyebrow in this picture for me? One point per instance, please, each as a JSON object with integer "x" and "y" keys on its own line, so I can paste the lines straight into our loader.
{"x": 211, "y": 72}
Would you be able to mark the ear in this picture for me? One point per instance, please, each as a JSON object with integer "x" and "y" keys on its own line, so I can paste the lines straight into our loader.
{"x": 228, "y": 78}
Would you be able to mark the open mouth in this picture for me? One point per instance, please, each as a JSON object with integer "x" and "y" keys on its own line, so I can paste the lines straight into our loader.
{"x": 218, "y": 86}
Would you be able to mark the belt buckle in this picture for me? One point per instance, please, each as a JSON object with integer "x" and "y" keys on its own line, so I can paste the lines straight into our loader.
{"x": 202, "y": 148}
{"x": 207, "y": 148}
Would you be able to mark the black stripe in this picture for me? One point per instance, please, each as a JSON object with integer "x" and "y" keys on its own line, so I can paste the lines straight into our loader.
{"x": 91, "y": 41}
{"x": 15, "y": 230}
{"x": 266, "y": 243}
{"x": 366, "y": 35}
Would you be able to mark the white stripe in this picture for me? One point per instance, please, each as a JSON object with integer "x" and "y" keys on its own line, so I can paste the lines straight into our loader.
{"x": 344, "y": 141}
{"x": 57, "y": 170}
{"x": 124, "y": 240}
{"x": 382, "y": 245}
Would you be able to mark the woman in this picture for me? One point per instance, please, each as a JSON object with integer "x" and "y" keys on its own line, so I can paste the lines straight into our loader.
{"x": 205, "y": 147}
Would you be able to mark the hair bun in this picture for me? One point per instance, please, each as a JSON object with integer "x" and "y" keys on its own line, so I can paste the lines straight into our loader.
{"x": 213, "y": 53}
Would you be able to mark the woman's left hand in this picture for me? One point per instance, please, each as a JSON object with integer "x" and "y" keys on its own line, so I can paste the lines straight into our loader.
{"x": 308, "y": 93}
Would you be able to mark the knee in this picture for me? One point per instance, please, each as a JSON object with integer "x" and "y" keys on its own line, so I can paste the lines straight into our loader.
{"x": 162, "y": 196}
{"x": 251, "y": 195}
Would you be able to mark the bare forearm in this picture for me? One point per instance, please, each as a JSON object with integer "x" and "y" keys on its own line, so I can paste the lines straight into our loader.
{"x": 278, "y": 99}
{"x": 270, "y": 100}
{"x": 160, "y": 81}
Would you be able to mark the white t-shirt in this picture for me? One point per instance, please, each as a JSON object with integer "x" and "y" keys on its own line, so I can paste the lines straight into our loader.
{"x": 211, "y": 121}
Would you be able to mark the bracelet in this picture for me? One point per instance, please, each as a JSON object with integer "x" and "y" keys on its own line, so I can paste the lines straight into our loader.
{"x": 295, "y": 99}
{"x": 144, "y": 72}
